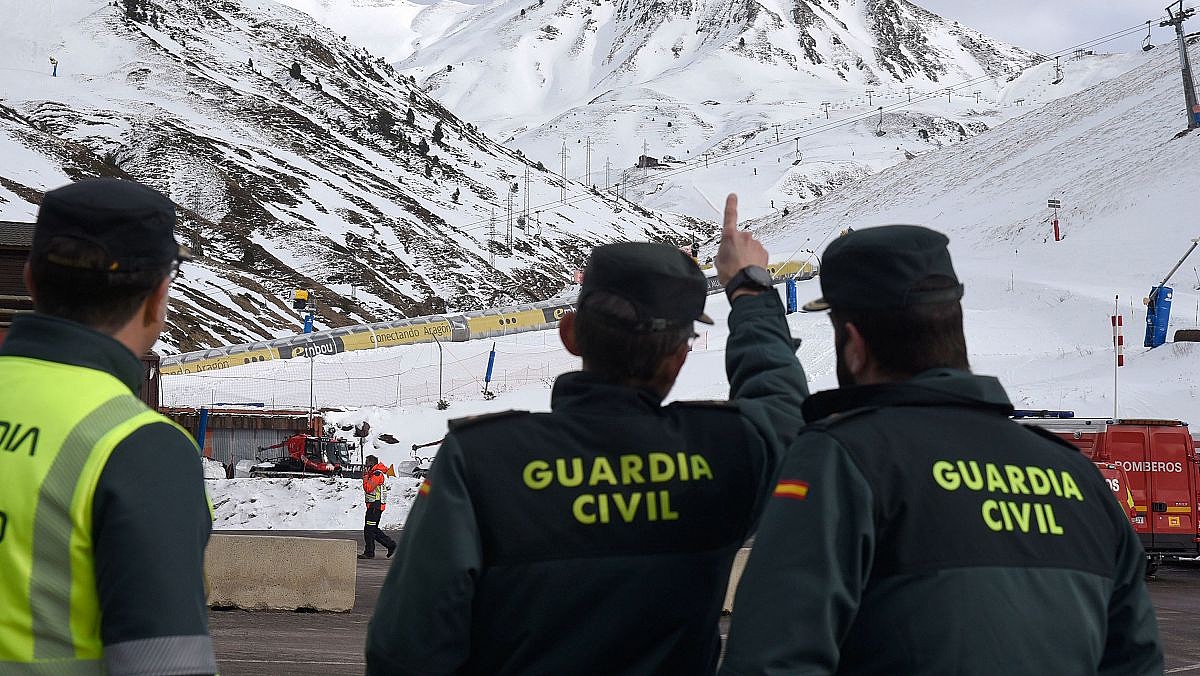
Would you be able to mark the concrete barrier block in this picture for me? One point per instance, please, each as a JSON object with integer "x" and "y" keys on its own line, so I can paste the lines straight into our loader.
{"x": 267, "y": 572}
{"x": 735, "y": 575}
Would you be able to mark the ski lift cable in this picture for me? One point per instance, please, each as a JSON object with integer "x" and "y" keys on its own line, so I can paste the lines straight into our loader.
{"x": 698, "y": 162}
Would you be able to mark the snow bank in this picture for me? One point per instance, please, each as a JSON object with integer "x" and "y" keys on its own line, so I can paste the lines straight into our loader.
{"x": 213, "y": 469}
{"x": 303, "y": 504}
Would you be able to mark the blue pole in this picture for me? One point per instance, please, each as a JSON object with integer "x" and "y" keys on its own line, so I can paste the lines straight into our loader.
{"x": 791, "y": 295}
{"x": 487, "y": 378}
{"x": 308, "y": 323}
{"x": 202, "y": 430}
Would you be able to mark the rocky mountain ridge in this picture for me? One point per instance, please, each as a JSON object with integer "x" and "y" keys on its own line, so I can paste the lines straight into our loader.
{"x": 298, "y": 160}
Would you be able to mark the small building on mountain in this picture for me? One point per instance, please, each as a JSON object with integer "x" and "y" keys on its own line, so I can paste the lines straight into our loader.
{"x": 647, "y": 162}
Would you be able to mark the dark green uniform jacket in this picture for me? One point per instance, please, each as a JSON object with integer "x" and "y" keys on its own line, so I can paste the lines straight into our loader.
{"x": 595, "y": 539}
{"x": 916, "y": 529}
{"x": 150, "y": 518}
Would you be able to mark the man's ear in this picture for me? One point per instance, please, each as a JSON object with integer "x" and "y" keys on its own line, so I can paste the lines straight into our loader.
{"x": 154, "y": 311}
{"x": 566, "y": 332}
{"x": 677, "y": 359}
{"x": 855, "y": 354}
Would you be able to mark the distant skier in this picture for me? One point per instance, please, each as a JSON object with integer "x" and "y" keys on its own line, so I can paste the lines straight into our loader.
{"x": 54, "y": 67}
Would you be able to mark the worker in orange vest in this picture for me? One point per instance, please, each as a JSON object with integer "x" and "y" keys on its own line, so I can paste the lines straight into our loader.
{"x": 374, "y": 478}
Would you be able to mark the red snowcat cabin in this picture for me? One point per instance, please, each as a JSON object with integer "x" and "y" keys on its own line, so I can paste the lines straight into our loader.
{"x": 1159, "y": 457}
{"x": 309, "y": 455}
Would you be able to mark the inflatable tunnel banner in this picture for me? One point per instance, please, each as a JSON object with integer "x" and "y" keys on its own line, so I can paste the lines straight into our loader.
{"x": 452, "y": 328}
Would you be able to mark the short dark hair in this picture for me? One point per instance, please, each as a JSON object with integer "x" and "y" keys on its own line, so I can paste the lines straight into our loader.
{"x": 615, "y": 352}
{"x": 371, "y": 460}
{"x": 102, "y": 300}
{"x": 906, "y": 341}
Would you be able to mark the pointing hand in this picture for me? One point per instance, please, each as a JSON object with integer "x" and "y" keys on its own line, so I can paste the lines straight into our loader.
{"x": 738, "y": 248}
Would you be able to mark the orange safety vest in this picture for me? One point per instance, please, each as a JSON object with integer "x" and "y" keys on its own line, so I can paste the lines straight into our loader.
{"x": 373, "y": 484}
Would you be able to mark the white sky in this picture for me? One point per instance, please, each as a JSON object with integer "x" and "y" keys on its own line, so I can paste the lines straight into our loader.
{"x": 1050, "y": 25}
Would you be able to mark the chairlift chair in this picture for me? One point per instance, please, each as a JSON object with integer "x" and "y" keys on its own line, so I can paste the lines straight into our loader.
{"x": 880, "y": 131}
{"x": 1146, "y": 44}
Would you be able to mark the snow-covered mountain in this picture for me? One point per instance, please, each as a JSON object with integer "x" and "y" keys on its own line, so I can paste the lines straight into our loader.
{"x": 1118, "y": 157}
{"x": 564, "y": 53}
{"x": 298, "y": 161}
{"x": 1036, "y": 311}
{"x": 392, "y": 29}
{"x": 703, "y": 79}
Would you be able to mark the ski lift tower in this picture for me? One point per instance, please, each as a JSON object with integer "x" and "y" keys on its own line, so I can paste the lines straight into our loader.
{"x": 1178, "y": 15}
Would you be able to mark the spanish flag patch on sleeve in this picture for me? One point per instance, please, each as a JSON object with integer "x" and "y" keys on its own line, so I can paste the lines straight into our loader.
{"x": 425, "y": 486}
{"x": 795, "y": 490}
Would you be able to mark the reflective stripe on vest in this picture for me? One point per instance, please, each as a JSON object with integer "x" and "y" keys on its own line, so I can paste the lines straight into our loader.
{"x": 50, "y": 583}
{"x": 378, "y": 494}
{"x": 51, "y": 618}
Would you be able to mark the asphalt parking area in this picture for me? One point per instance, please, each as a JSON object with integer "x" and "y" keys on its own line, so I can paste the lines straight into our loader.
{"x": 269, "y": 643}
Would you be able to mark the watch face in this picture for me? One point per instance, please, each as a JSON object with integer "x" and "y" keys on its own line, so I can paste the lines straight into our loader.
{"x": 759, "y": 276}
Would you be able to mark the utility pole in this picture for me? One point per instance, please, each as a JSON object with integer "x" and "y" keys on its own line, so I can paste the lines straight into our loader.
{"x": 525, "y": 211}
{"x": 976, "y": 96}
{"x": 776, "y": 132}
{"x": 1178, "y": 14}
{"x": 908, "y": 90}
{"x": 607, "y": 173}
{"x": 508, "y": 231}
{"x": 948, "y": 92}
{"x": 492, "y": 238}
{"x": 870, "y": 92}
{"x": 797, "y": 147}
{"x": 563, "y": 154}
{"x": 826, "y": 105}
{"x": 588, "y": 165}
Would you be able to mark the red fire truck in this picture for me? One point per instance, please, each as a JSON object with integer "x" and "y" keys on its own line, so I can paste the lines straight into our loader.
{"x": 1159, "y": 459}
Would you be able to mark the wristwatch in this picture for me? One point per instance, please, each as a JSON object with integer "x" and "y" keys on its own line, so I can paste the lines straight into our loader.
{"x": 751, "y": 277}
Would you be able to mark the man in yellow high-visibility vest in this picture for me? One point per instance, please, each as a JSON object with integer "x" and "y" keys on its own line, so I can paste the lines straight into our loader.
{"x": 103, "y": 513}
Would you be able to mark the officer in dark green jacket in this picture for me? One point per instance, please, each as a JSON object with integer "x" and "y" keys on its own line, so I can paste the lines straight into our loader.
{"x": 598, "y": 538}
{"x": 915, "y": 528}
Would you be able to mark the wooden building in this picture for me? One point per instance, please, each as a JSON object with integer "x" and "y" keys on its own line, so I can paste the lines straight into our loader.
{"x": 16, "y": 239}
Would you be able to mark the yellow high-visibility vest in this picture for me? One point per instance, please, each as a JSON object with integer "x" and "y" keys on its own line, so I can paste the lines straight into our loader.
{"x": 58, "y": 426}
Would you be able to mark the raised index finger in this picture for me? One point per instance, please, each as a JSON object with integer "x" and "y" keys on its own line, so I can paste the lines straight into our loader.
{"x": 731, "y": 215}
